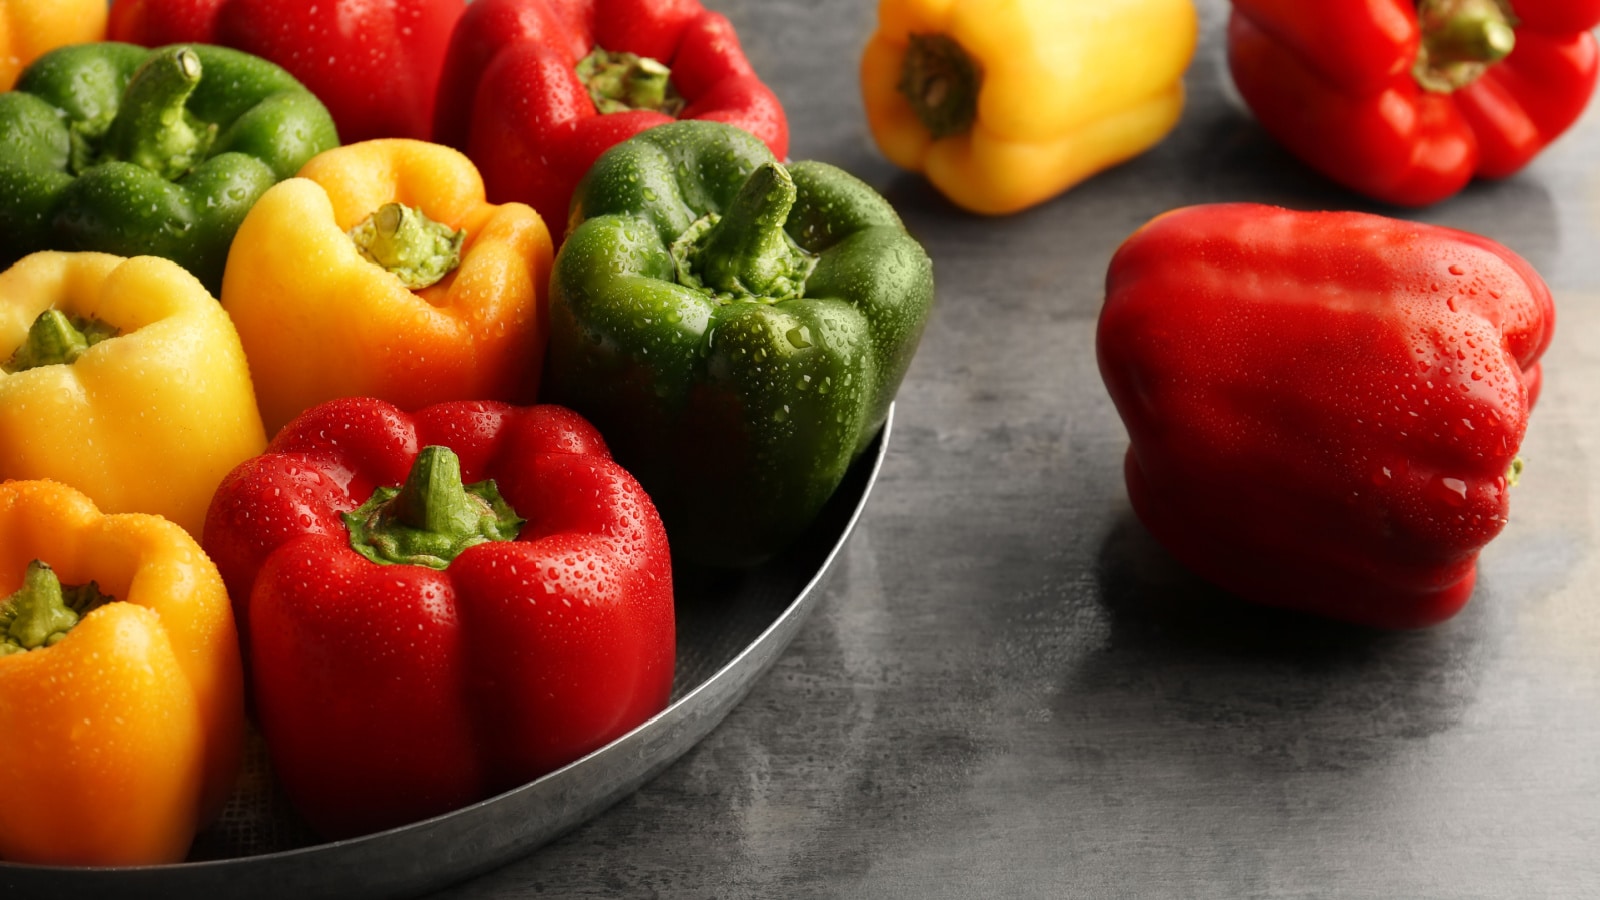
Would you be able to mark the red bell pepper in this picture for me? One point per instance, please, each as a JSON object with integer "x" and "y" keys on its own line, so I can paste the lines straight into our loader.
{"x": 1406, "y": 100}
{"x": 374, "y": 63}
{"x": 535, "y": 90}
{"x": 414, "y": 644}
{"x": 1325, "y": 409}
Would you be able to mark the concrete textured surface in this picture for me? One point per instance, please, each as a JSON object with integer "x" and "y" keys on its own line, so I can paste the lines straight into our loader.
{"x": 1010, "y": 690}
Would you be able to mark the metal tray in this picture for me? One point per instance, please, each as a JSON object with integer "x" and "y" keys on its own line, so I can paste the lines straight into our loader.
{"x": 732, "y": 625}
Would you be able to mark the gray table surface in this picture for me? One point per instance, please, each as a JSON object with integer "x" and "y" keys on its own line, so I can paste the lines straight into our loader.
{"x": 1011, "y": 691}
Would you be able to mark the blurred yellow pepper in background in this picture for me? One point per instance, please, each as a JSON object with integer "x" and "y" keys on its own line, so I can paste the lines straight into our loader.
{"x": 30, "y": 27}
{"x": 1004, "y": 104}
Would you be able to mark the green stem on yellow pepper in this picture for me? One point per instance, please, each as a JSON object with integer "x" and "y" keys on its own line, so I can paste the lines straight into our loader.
{"x": 42, "y": 611}
{"x": 408, "y": 244}
{"x": 941, "y": 81}
{"x": 55, "y": 338}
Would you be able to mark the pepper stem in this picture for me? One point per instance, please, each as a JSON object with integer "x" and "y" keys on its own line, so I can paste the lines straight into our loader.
{"x": 618, "y": 82}
{"x": 403, "y": 241}
{"x": 745, "y": 253}
{"x": 1461, "y": 39}
{"x": 152, "y": 128}
{"x": 431, "y": 518}
{"x": 941, "y": 82}
{"x": 55, "y": 338}
{"x": 42, "y": 611}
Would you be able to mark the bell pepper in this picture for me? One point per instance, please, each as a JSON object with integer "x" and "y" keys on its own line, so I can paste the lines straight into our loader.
{"x": 1405, "y": 101}
{"x": 121, "y": 697}
{"x": 1325, "y": 409}
{"x": 734, "y": 327}
{"x": 124, "y": 379}
{"x": 30, "y": 27}
{"x": 129, "y": 151}
{"x": 535, "y": 90}
{"x": 375, "y": 63}
{"x": 382, "y": 271}
{"x": 440, "y": 605}
{"x": 1004, "y": 107}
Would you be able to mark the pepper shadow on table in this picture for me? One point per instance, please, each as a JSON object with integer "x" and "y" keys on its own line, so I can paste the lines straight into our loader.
{"x": 1284, "y": 689}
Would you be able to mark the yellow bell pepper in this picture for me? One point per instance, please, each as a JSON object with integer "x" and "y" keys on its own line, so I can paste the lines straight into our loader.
{"x": 121, "y": 691}
{"x": 125, "y": 379}
{"x": 1007, "y": 103}
{"x": 28, "y": 28}
{"x": 381, "y": 271}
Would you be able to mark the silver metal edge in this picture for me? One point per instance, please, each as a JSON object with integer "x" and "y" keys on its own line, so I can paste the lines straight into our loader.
{"x": 457, "y": 845}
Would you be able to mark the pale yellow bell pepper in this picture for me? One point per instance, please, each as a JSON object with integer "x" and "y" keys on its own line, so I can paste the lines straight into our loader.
{"x": 1004, "y": 104}
{"x": 125, "y": 379}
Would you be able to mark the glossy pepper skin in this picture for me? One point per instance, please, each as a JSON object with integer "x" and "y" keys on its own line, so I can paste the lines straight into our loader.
{"x": 319, "y": 318}
{"x": 735, "y": 329}
{"x": 375, "y": 63}
{"x": 1325, "y": 409}
{"x": 513, "y": 98}
{"x": 1342, "y": 86}
{"x": 124, "y": 379}
{"x": 1004, "y": 106}
{"x": 28, "y": 28}
{"x": 124, "y": 150}
{"x": 121, "y": 730}
{"x": 390, "y": 691}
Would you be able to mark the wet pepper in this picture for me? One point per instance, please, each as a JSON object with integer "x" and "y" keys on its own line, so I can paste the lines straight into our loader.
{"x": 1004, "y": 106}
{"x": 1406, "y": 101}
{"x": 535, "y": 90}
{"x": 440, "y": 605}
{"x": 124, "y": 379}
{"x": 735, "y": 328}
{"x": 375, "y": 63}
{"x": 1325, "y": 408}
{"x": 381, "y": 271}
{"x": 130, "y": 151}
{"x": 121, "y": 703}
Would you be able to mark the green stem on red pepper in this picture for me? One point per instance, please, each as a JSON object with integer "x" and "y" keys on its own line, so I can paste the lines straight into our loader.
{"x": 619, "y": 82}
{"x": 55, "y": 338}
{"x": 745, "y": 252}
{"x": 43, "y": 610}
{"x": 153, "y": 129}
{"x": 431, "y": 518}
{"x": 405, "y": 242}
{"x": 1460, "y": 40}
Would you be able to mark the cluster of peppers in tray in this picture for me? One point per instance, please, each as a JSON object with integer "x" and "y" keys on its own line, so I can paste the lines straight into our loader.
{"x": 557, "y": 303}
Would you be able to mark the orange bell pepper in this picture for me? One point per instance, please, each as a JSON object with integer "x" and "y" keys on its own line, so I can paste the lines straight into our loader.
{"x": 28, "y": 28}
{"x": 381, "y": 271}
{"x": 121, "y": 694}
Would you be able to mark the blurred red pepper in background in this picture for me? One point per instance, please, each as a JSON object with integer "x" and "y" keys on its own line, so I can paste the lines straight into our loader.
{"x": 1406, "y": 100}
{"x": 374, "y": 63}
{"x": 535, "y": 90}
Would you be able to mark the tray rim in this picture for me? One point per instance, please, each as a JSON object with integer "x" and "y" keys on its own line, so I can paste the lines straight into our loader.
{"x": 684, "y": 722}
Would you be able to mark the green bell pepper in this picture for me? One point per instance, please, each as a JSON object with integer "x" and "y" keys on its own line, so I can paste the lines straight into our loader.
{"x": 132, "y": 151}
{"x": 735, "y": 328}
